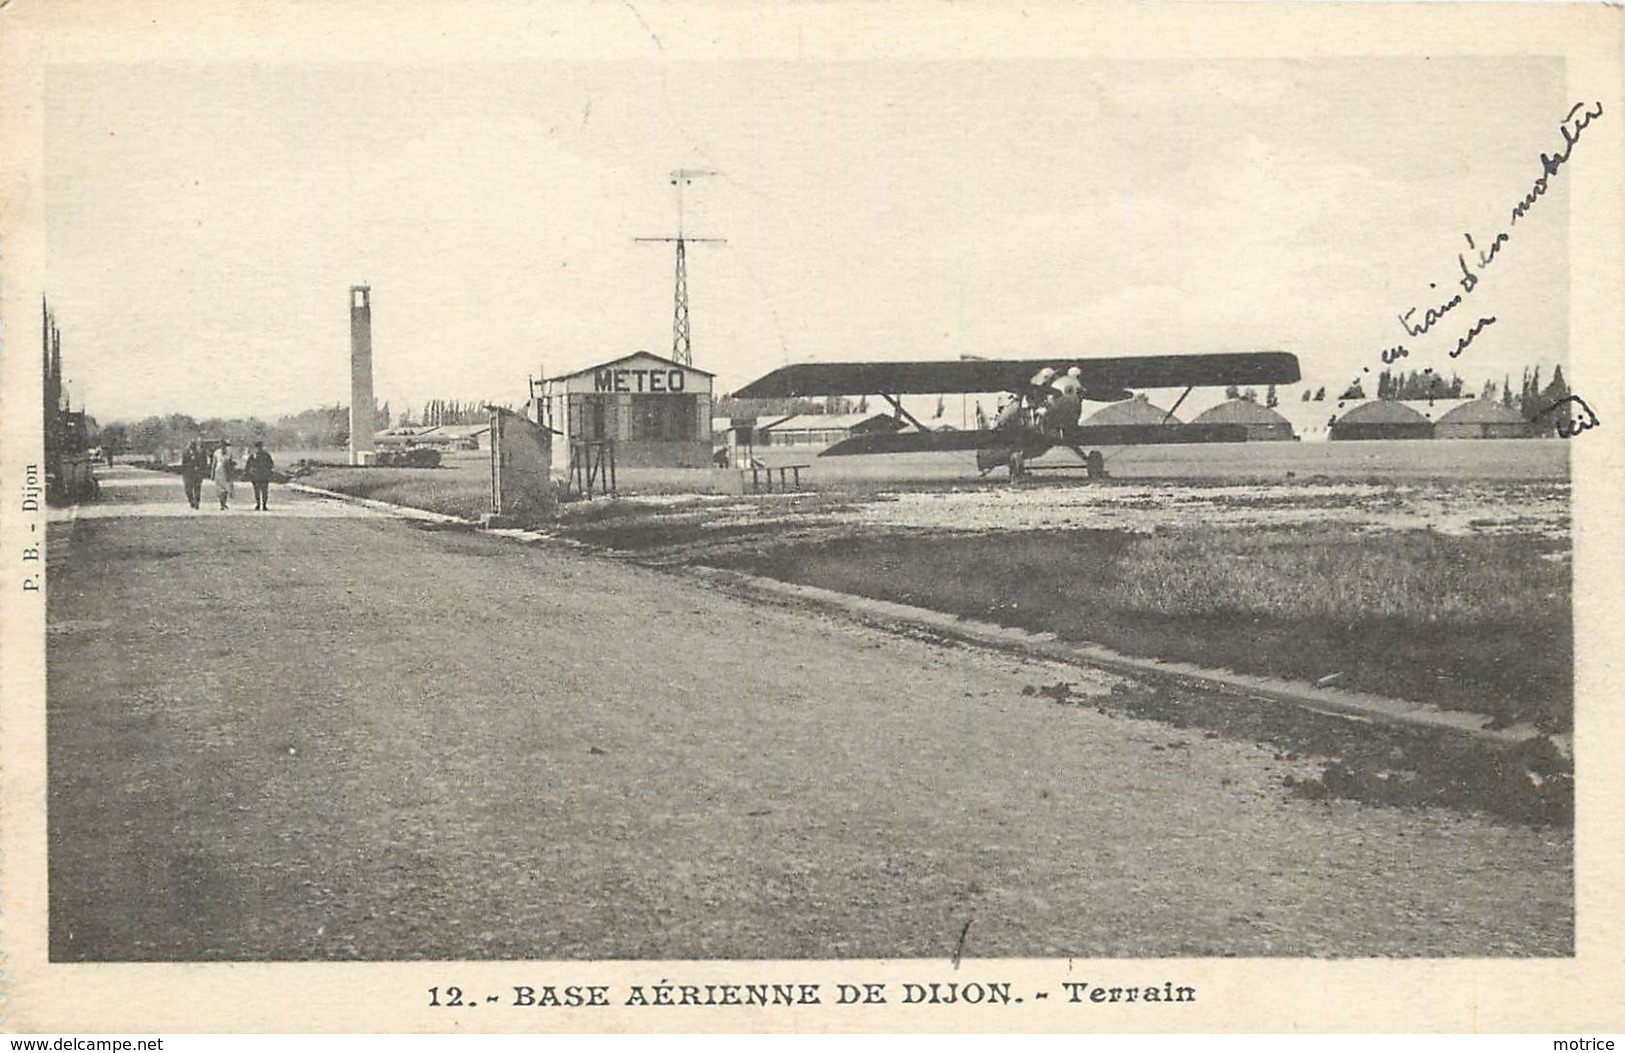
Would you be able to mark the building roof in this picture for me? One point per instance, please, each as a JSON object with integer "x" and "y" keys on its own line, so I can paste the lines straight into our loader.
{"x": 1482, "y": 411}
{"x": 627, "y": 358}
{"x": 722, "y": 425}
{"x": 1241, "y": 411}
{"x": 402, "y": 436}
{"x": 1381, "y": 411}
{"x": 825, "y": 421}
{"x": 1137, "y": 410}
{"x": 433, "y": 433}
{"x": 459, "y": 431}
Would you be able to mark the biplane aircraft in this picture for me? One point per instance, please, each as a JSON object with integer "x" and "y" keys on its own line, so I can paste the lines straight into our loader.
{"x": 1046, "y": 402}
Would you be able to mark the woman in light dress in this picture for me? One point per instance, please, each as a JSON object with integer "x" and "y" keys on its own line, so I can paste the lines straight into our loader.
{"x": 221, "y": 472}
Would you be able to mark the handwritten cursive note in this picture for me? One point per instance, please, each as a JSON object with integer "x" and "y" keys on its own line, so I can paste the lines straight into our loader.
{"x": 1482, "y": 252}
{"x": 1578, "y": 117}
{"x": 1485, "y": 254}
{"x": 1478, "y": 327}
{"x": 1570, "y": 423}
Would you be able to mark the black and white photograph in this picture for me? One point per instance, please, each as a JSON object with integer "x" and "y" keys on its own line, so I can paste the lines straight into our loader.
{"x": 867, "y": 507}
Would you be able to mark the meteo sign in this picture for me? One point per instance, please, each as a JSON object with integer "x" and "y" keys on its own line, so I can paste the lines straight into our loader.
{"x": 640, "y": 381}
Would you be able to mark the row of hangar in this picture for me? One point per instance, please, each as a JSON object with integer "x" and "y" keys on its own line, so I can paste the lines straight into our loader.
{"x": 658, "y": 412}
{"x": 1361, "y": 419}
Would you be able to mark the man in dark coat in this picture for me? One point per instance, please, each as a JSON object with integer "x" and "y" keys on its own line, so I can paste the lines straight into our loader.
{"x": 258, "y": 469}
{"x": 194, "y": 466}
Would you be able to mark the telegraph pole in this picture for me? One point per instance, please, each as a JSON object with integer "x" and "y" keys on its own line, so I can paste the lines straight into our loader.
{"x": 682, "y": 351}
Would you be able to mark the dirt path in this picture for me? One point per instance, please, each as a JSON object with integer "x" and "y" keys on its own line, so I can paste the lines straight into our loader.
{"x": 322, "y": 733}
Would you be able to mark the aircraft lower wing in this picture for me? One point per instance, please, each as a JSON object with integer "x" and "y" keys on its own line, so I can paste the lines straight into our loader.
{"x": 921, "y": 442}
{"x": 1104, "y": 378}
{"x": 1150, "y": 434}
{"x": 1083, "y": 435}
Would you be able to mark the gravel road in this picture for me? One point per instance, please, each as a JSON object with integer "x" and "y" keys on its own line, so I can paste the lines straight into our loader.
{"x": 322, "y": 733}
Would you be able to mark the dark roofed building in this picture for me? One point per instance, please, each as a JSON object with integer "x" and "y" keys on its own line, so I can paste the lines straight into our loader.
{"x": 409, "y": 435}
{"x": 462, "y": 436}
{"x": 1137, "y": 410}
{"x": 1382, "y": 419}
{"x": 823, "y": 429}
{"x": 1482, "y": 419}
{"x": 1261, "y": 422}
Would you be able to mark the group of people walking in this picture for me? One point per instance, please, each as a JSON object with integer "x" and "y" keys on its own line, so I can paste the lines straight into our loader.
{"x": 197, "y": 464}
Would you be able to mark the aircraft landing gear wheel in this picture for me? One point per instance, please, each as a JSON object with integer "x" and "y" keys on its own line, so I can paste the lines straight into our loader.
{"x": 1095, "y": 465}
{"x": 1018, "y": 464}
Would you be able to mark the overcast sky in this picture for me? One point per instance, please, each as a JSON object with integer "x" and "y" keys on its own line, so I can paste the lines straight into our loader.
{"x": 205, "y": 222}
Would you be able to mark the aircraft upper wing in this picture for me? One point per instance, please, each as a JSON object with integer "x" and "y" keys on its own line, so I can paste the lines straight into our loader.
{"x": 1107, "y": 377}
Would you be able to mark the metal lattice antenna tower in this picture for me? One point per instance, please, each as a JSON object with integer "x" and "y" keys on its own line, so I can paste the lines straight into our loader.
{"x": 682, "y": 350}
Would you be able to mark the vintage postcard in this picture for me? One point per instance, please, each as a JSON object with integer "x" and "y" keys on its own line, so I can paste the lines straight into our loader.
{"x": 811, "y": 517}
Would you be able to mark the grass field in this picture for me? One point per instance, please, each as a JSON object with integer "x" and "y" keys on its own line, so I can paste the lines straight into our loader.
{"x": 1480, "y": 622}
{"x": 461, "y": 486}
{"x": 460, "y": 490}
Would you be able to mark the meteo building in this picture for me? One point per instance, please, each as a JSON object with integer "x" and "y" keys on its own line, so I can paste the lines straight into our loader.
{"x": 656, "y": 411}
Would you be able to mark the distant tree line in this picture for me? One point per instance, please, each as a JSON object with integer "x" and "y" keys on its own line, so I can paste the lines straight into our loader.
{"x": 448, "y": 411}
{"x": 325, "y": 427}
{"x": 1418, "y": 384}
{"x": 1271, "y": 400}
{"x": 1535, "y": 402}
